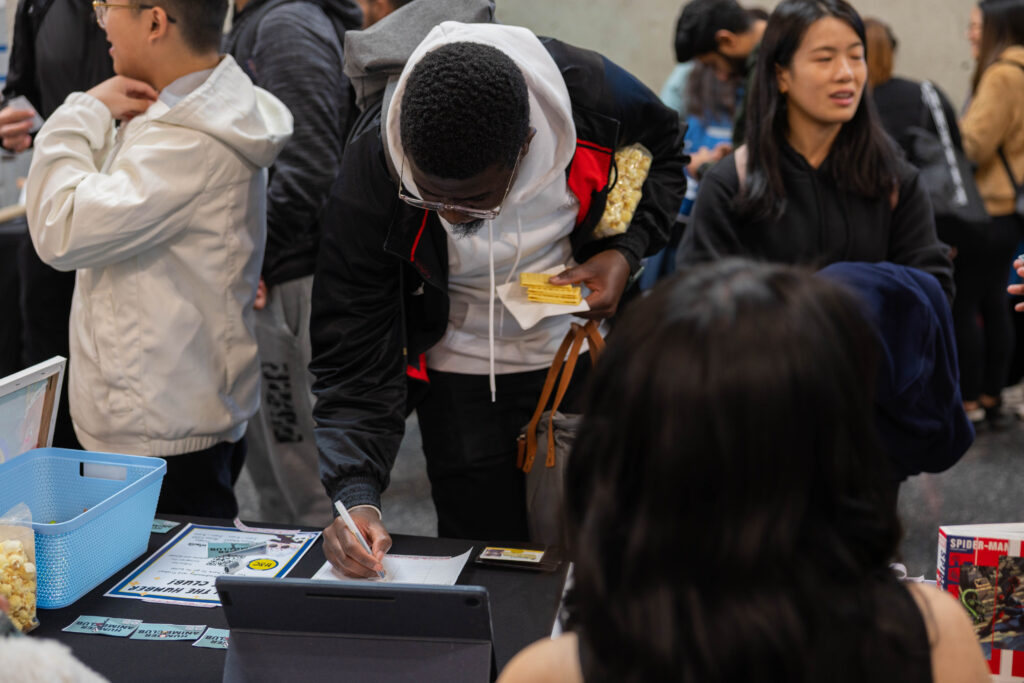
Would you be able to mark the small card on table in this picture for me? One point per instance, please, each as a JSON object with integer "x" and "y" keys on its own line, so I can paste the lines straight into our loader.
{"x": 216, "y": 638}
{"x": 103, "y": 626}
{"x": 168, "y": 632}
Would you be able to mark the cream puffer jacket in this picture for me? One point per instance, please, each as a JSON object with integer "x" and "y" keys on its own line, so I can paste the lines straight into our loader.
{"x": 164, "y": 220}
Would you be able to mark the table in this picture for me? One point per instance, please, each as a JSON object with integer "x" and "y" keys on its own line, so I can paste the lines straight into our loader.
{"x": 523, "y": 608}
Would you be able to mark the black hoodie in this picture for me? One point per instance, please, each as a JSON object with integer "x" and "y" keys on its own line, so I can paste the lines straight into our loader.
{"x": 822, "y": 223}
{"x": 293, "y": 48}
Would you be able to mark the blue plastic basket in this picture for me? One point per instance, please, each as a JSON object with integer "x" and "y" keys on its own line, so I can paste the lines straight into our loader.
{"x": 101, "y": 505}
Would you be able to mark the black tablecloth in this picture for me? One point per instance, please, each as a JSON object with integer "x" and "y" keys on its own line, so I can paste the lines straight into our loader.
{"x": 523, "y": 607}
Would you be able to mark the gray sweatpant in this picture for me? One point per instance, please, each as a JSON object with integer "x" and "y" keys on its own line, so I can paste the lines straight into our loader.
{"x": 282, "y": 459}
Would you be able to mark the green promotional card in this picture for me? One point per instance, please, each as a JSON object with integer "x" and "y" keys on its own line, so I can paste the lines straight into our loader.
{"x": 103, "y": 626}
{"x": 168, "y": 632}
{"x": 216, "y": 638}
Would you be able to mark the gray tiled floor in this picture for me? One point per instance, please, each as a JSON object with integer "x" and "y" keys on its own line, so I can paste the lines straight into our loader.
{"x": 985, "y": 486}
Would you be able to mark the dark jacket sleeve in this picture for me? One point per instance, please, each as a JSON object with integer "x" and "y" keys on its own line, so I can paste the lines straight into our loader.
{"x": 296, "y": 56}
{"x": 356, "y": 332}
{"x": 21, "y": 70}
{"x": 912, "y": 238}
{"x": 645, "y": 119}
{"x": 711, "y": 233}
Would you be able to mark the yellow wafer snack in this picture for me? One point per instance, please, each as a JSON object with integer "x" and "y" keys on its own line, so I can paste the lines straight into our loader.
{"x": 555, "y": 295}
{"x": 538, "y": 289}
{"x": 535, "y": 279}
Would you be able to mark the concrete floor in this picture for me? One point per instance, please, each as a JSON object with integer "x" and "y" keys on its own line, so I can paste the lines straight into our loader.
{"x": 985, "y": 486}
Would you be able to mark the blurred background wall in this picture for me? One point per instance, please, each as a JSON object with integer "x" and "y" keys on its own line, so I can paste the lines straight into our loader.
{"x": 638, "y": 34}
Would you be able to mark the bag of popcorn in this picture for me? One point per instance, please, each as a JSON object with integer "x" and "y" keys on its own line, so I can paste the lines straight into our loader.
{"x": 17, "y": 566}
{"x": 632, "y": 164}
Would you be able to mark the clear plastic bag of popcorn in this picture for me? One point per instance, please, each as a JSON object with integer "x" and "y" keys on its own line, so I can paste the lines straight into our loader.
{"x": 632, "y": 164}
{"x": 17, "y": 566}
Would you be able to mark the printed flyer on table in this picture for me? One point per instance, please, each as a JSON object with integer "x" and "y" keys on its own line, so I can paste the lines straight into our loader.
{"x": 185, "y": 569}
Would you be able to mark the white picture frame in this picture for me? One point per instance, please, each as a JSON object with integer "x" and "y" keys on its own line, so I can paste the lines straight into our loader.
{"x": 28, "y": 407}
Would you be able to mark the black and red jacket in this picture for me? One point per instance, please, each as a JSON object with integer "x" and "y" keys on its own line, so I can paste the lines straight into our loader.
{"x": 380, "y": 294}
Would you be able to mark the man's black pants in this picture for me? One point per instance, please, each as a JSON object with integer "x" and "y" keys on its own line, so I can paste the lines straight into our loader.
{"x": 470, "y": 447}
{"x": 202, "y": 483}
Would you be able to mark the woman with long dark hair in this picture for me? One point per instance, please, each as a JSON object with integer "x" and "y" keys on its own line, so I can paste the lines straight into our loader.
{"x": 819, "y": 181}
{"x": 992, "y": 130}
{"x": 718, "y": 534}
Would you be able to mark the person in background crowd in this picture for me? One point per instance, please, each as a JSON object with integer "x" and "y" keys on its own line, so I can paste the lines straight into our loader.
{"x": 163, "y": 217}
{"x": 724, "y": 36}
{"x": 375, "y": 10}
{"x": 293, "y": 49}
{"x": 898, "y": 100}
{"x": 710, "y": 104}
{"x": 57, "y": 49}
{"x": 974, "y": 32}
{"x": 376, "y": 56}
{"x": 993, "y": 137}
{"x": 695, "y": 434}
{"x": 821, "y": 181}
{"x": 472, "y": 176}
{"x": 903, "y": 112}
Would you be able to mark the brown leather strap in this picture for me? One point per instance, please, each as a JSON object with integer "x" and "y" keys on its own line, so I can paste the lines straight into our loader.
{"x": 545, "y": 395}
{"x": 592, "y": 328}
{"x": 579, "y": 334}
{"x": 571, "y": 345}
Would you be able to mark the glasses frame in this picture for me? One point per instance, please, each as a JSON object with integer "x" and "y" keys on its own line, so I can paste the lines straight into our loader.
{"x": 481, "y": 214}
{"x": 101, "y": 16}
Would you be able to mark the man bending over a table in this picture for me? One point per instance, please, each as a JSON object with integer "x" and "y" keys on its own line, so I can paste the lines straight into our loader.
{"x": 491, "y": 159}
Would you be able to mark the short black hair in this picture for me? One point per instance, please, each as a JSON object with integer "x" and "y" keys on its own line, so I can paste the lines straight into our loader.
{"x": 701, "y": 20}
{"x": 465, "y": 108}
{"x": 201, "y": 22}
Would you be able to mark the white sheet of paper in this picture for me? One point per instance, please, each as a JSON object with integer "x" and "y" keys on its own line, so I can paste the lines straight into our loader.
{"x": 433, "y": 571}
{"x": 528, "y": 313}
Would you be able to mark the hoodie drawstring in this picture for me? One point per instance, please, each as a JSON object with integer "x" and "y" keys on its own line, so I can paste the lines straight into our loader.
{"x": 490, "y": 310}
{"x": 490, "y": 300}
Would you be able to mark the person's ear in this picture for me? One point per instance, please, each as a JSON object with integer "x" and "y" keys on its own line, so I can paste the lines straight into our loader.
{"x": 529, "y": 137}
{"x": 783, "y": 78}
{"x": 159, "y": 23}
{"x": 726, "y": 42}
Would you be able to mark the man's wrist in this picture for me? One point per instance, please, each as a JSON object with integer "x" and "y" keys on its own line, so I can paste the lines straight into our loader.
{"x": 368, "y": 507}
{"x": 636, "y": 266}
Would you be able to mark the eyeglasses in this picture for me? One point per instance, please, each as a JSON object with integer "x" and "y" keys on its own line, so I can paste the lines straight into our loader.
{"x": 101, "y": 9}
{"x": 483, "y": 214}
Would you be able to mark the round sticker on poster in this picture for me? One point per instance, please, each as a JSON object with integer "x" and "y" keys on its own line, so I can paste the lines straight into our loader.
{"x": 262, "y": 564}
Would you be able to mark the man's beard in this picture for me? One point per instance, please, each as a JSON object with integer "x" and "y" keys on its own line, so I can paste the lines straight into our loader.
{"x": 461, "y": 230}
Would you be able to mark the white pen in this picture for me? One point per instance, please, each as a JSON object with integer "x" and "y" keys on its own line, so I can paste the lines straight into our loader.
{"x": 351, "y": 524}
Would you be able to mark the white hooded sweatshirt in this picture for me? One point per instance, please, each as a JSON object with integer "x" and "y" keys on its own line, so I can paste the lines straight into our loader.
{"x": 530, "y": 234}
{"x": 164, "y": 219}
